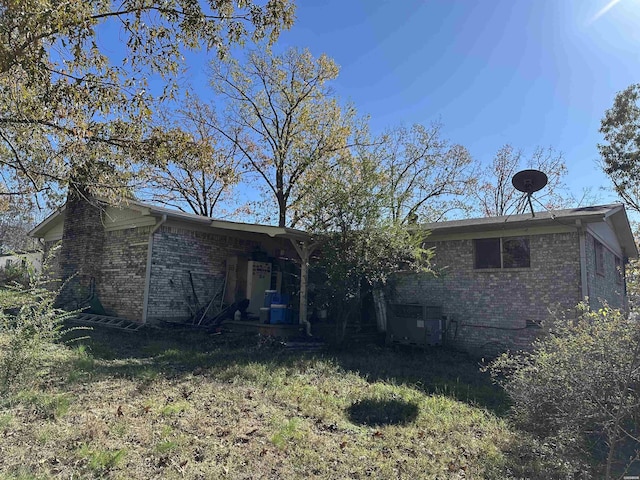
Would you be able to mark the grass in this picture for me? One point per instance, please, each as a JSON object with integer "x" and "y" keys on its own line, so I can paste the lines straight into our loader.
{"x": 153, "y": 405}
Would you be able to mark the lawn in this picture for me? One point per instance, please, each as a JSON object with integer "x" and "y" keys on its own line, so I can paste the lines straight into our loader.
{"x": 155, "y": 404}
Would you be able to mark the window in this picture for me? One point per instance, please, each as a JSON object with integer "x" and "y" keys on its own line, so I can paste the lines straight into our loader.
{"x": 599, "y": 252}
{"x": 619, "y": 270}
{"x": 487, "y": 253}
{"x": 515, "y": 252}
{"x": 511, "y": 252}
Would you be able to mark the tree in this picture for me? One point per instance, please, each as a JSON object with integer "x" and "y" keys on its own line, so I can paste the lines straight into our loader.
{"x": 287, "y": 118}
{"x": 72, "y": 108}
{"x": 620, "y": 155}
{"x": 194, "y": 167}
{"x": 495, "y": 194}
{"x": 361, "y": 246}
{"x": 16, "y": 220}
{"x": 426, "y": 175}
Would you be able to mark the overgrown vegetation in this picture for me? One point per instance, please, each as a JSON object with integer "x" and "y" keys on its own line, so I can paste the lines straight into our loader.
{"x": 30, "y": 327}
{"x": 150, "y": 405}
{"x": 579, "y": 390}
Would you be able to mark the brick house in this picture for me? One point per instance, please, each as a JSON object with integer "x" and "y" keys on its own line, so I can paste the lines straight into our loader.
{"x": 148, "y": 263}
{"x": 498, "y": 277}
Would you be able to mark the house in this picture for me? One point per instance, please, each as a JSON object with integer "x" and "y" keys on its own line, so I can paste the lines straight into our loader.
{"x": 497, "y": 278}
{"x": 147, "y": 263}
{"x": 31, "y": 258}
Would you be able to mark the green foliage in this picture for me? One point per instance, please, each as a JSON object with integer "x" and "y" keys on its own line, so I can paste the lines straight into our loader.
{"x": 72, "y": 110}
{"x": 30, "y": 326}
{"x": 101, "y": 461}
{"x": 361, "y": 246}
{"x": 44, "y": 405}
{"x": 288, "y": 430}
{"x": 579, "y": 389}
{"x": 175, "y": 408}
{"x": 12, "y": 274}
{"x": 620, "y": 154}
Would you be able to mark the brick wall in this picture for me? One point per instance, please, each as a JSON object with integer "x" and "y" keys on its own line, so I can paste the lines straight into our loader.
{"x": 493, "y": 309}
{"x": 176, "y": 252}
{"x": 124, "y": 259}
{"x": 603, "y": 286}
{"x": 116, "y": 260}
{"x": 80, "y": 256}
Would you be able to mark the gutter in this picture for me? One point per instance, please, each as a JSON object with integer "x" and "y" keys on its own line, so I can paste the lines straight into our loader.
{"x": 147, "y": 279}
{"x": 583, "y": 261}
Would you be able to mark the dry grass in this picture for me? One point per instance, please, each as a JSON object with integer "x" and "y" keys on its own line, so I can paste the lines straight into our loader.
{"x": 149, "y": 405}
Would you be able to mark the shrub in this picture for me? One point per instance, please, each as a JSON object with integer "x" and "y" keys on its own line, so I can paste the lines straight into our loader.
{"x": 579, "y": 389}
{"x": 30, "y": 326}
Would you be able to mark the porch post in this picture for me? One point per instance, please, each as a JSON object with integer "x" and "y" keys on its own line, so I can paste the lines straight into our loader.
{"x": 304, "y": 252}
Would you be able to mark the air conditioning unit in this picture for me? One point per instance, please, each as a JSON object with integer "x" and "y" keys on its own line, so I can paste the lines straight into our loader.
{"x": 414, "y": 324}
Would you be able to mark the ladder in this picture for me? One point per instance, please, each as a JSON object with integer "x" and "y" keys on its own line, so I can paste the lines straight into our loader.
{"x": 107, "y": 321}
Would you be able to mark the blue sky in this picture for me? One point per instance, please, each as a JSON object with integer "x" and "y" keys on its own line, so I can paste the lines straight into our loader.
{"x": 525, "y": 72}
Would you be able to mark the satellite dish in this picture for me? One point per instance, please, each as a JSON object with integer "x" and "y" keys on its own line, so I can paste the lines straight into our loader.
{"x": 529, "y": 181}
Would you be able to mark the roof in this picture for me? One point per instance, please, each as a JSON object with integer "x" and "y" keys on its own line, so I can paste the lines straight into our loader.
{"x": 613, "y": 214}
{"x": 147, "y": 209}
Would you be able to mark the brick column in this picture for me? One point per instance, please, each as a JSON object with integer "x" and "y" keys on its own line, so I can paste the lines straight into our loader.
{"x": 82, "y": 247}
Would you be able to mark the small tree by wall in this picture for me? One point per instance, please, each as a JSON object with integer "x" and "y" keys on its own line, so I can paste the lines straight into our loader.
{"x": 361, "y": 247}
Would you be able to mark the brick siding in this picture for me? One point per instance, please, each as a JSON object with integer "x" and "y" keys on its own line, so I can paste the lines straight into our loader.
{"x": 495, "y": 309}
{"x": 124, "y": 261}
{"x": 115, "y": 260}
{"x": 176, "y": 252}
{"x": 603, "y": 287}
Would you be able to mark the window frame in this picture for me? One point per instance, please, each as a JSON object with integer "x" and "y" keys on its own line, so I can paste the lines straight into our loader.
{"x": 501, "y": 247}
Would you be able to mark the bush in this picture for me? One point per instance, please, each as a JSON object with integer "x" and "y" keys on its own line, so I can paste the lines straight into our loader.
{"x": 30, "y": 326}
{"x": 12, "y": 274}
{"x": 579, "y": 389}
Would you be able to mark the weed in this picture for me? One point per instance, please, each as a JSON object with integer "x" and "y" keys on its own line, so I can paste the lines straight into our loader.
{"x": 120, "y": 428}
{"x": 23, "y": 474}
{"x": 175, "y": 408}
{"x": 46, "y": 433}
{"x": 290, "y": 430}
{"x": 166, "y": 446}
{"x": 44, "y": 405}
{"x": 100, "y": 460}
{"x": 6, "y": 420}
{"x": 270, "y": 412}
